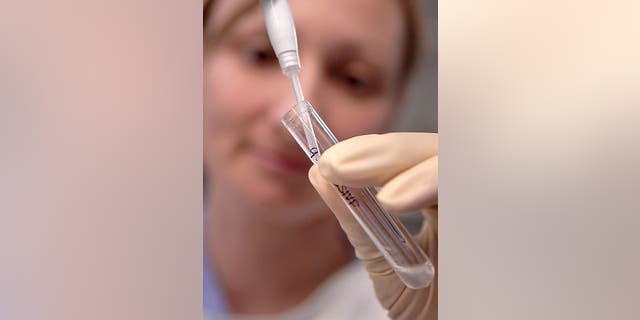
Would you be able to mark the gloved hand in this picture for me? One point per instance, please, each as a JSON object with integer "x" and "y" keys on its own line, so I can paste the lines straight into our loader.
{"x": 406, "y": 166}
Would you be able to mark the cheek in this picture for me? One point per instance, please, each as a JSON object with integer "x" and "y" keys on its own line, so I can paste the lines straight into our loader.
{"x": 353, "y": 121}
{"x": 236, "y": 93}
{"x": 224, "y": 104}
{"x": 225, "y": 111}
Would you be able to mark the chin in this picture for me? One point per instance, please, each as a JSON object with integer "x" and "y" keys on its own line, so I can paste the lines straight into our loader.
{"x": 274, "y": 196}
{"x": 281, "y": 200}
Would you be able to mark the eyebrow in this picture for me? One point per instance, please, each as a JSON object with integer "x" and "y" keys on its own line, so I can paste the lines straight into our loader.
{"x": 212, "y": 36}
{"x": 349, "y": 51}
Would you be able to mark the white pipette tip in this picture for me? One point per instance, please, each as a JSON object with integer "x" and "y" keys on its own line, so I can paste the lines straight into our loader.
{"x": 295, "y": 84}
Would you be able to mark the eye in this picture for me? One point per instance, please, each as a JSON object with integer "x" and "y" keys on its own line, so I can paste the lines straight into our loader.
{"x": 259, "y": 55}
{"x": 356, "y": 84}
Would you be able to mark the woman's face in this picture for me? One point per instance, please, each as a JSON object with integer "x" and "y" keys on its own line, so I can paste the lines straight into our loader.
{"x": 350, "y": 52}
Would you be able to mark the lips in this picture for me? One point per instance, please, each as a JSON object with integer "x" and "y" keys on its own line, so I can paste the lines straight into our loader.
{"x": 284, "y": 162}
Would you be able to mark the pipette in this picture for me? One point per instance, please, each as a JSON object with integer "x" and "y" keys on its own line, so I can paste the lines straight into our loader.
{"x": 387, "y": 233}
{"x": 282, "y": 35}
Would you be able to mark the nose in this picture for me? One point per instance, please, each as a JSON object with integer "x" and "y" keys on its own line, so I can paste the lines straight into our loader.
{"x": 311, "y": 82}
{"x": 281, "y": 100}
{"x": 284, "y": 98}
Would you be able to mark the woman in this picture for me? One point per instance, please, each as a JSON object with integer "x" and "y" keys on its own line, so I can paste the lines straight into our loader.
{"x": 272, "y": 247}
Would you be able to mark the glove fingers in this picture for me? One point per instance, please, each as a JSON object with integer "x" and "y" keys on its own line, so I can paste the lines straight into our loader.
{"x": 428, "y": 236}
{"x": 371, "y": 160}
{"x": 412, "y": 190}
{"x": 387, "y": 285}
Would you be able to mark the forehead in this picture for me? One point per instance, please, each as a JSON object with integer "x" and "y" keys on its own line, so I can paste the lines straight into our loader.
{"x": 356, "y": 20}
{"x": 372, "y": 26}
{"x": 366, "y": 13}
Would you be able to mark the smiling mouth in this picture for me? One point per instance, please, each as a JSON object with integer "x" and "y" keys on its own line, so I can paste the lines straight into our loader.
{"x": 283, "y": 163}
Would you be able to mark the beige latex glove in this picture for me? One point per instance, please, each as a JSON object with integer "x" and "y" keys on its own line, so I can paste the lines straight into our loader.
{"x": 406, "y": 166}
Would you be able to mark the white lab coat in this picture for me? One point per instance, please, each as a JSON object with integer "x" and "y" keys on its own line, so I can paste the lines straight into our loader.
{"x": 347, "y": 295}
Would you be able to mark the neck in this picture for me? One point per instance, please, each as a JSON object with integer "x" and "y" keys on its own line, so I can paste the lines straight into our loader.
{"x": 268, "y": 267}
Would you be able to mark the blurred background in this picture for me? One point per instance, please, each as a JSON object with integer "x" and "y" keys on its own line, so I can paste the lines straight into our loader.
{"x": 422, "y": 99}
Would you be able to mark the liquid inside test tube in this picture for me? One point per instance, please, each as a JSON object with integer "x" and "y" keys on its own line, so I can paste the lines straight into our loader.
{"x": 405, "y": 257}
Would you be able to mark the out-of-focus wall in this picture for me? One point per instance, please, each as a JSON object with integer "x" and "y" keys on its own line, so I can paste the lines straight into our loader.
{"x": 422, "y": 99}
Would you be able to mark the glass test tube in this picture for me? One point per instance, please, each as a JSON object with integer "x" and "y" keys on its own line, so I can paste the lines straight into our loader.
{"x": 388, "y": 234}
